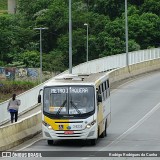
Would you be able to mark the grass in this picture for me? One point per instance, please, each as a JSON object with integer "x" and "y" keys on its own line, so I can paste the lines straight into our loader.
{"x": 8, "y": 88}
{"x": 3, "y": 5}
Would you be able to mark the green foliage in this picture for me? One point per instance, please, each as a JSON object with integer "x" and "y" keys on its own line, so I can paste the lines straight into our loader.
{"x": 3, "y": 4}
{"x": 19, "y": 42}
{"x": 7, "y": 88}
{"x": 2, "y": 63}
{"x": 151, "y": 6}
{"x": 13, "y": 86}
{"x": 29, "y": 7}
{"x": 30, "y": 59}
{"x": 133, "y": 46}
{"x": 26, "y": 59}
{"x": 112, "y": 8}
{"x": 144, "y": 29}
{"x": 54, "y": 61}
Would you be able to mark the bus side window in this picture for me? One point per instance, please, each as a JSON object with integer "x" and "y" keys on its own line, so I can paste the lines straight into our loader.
{"x": 105, "y": 85}
{"x": 104, "y": 91}
{"x": 108, "y": 83}
{"x": 99, "y": 92}
{"x": 108, "y": 90}
{"x": 101, "y": 88}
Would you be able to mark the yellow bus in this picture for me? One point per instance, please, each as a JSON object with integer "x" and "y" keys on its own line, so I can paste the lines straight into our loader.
{"x": 76, "y": 107}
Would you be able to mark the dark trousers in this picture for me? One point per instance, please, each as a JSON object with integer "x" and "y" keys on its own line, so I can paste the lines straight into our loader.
{"x": 14, "y": 115}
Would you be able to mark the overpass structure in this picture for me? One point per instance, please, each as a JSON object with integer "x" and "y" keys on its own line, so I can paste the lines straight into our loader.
{"x": 29, "y": 98}
{"x": 139, "y": 62}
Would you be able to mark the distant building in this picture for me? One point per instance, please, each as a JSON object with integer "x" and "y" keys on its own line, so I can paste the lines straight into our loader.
{"x": 11, "y": 6}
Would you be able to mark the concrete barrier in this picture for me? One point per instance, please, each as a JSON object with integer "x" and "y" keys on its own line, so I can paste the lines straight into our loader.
{"x": 19, "y": 114}
{"x": 13, "y": 135}
{"x": 133, "y": 70}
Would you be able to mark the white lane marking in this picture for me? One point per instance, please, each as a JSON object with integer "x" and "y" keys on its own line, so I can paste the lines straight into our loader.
{"x": 131, "y": 129}
{"x": 30, "y": 144}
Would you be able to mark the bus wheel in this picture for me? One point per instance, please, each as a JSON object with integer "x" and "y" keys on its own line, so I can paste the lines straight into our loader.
{"x": 103, "y": 134}
{"x": 105, "y": 131}
{"x": 50, "y": 142}
{"x": 93, "y": 142}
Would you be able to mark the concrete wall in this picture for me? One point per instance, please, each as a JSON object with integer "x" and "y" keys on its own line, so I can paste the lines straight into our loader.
{"x": 11, "y": 6}
{"x": 133, "y": 70}
{"x": 28, "y": 100}
{"x": 13, "y": 135}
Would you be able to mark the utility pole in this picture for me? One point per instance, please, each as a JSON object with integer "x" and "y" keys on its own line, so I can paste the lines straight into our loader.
{"x": 40, "y": 30}
{"x": 126, "y": 33}
{"x": 86, "y": 24}
{"x": 70, "y": 36}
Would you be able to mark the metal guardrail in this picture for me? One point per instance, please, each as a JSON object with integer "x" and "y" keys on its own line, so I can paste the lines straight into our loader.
{"x": 29, "y": 98}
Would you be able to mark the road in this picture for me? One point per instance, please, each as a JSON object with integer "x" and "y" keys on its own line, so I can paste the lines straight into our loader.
{"x": 135, "y": 124}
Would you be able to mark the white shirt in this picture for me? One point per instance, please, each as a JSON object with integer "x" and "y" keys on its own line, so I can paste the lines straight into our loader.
{"x": 14, "y": 104}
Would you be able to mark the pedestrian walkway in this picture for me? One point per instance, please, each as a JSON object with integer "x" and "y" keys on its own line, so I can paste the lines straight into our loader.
{"x": 26, "y": 114}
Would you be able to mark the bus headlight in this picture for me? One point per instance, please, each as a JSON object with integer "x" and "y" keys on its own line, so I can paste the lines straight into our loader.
{"x": 90, "y": 124}
{"x": 47, "y": 125}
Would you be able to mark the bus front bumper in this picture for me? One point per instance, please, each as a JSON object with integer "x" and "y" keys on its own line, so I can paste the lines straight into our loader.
{"x": 88, "y": 133}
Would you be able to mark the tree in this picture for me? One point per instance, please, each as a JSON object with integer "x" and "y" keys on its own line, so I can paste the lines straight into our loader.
{"x": 151, "y": 6}
{"x": 29, "y": 7}
{"x": 27, "y": 59}
{"x": 19, "y": 43}
{"x": 54, "y": 61}
{"x": 144, "y": 29}
{"x": 111, "y": 8}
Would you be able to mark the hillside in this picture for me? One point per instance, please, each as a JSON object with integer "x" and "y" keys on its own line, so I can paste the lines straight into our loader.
{"x": 19, "y": 42}
{"x": 3, "y": 6}
{"x": 7, "y": 88}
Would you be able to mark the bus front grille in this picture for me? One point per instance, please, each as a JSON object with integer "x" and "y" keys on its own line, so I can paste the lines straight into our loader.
{"x": 68, "y": 136}
{"x": 74, "y": 134}
{"x": 70, "y": 122}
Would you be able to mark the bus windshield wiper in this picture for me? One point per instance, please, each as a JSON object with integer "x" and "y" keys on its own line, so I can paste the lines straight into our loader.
{"x": 75, "y": 107}
{"x": 59, "y": 110}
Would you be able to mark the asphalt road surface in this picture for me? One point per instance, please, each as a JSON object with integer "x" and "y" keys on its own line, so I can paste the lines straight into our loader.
{"x": 135, "y": 124}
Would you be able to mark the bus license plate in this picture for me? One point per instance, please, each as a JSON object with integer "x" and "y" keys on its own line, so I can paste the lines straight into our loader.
{"x": 68, "y": 132}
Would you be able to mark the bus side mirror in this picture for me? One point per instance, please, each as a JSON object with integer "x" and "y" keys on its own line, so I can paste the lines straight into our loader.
{"x": 99, "y": 98}
{"x": 39, "y": 98}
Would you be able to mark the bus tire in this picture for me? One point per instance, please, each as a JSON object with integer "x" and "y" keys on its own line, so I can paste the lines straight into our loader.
{"x": 105, "y": 131}
{"x": 93, "y": 142}
{"x": 103, "y": 134}
{"x": 50, "y": 142}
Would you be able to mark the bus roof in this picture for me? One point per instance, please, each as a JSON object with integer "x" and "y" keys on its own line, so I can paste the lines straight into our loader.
{"x": 67, "y": 79}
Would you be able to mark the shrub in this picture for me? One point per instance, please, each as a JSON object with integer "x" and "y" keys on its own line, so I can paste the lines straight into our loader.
{"x": 7, "y": 88}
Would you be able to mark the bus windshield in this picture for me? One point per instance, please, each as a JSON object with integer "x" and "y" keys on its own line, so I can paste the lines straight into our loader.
{"x": 70, "y": 100}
